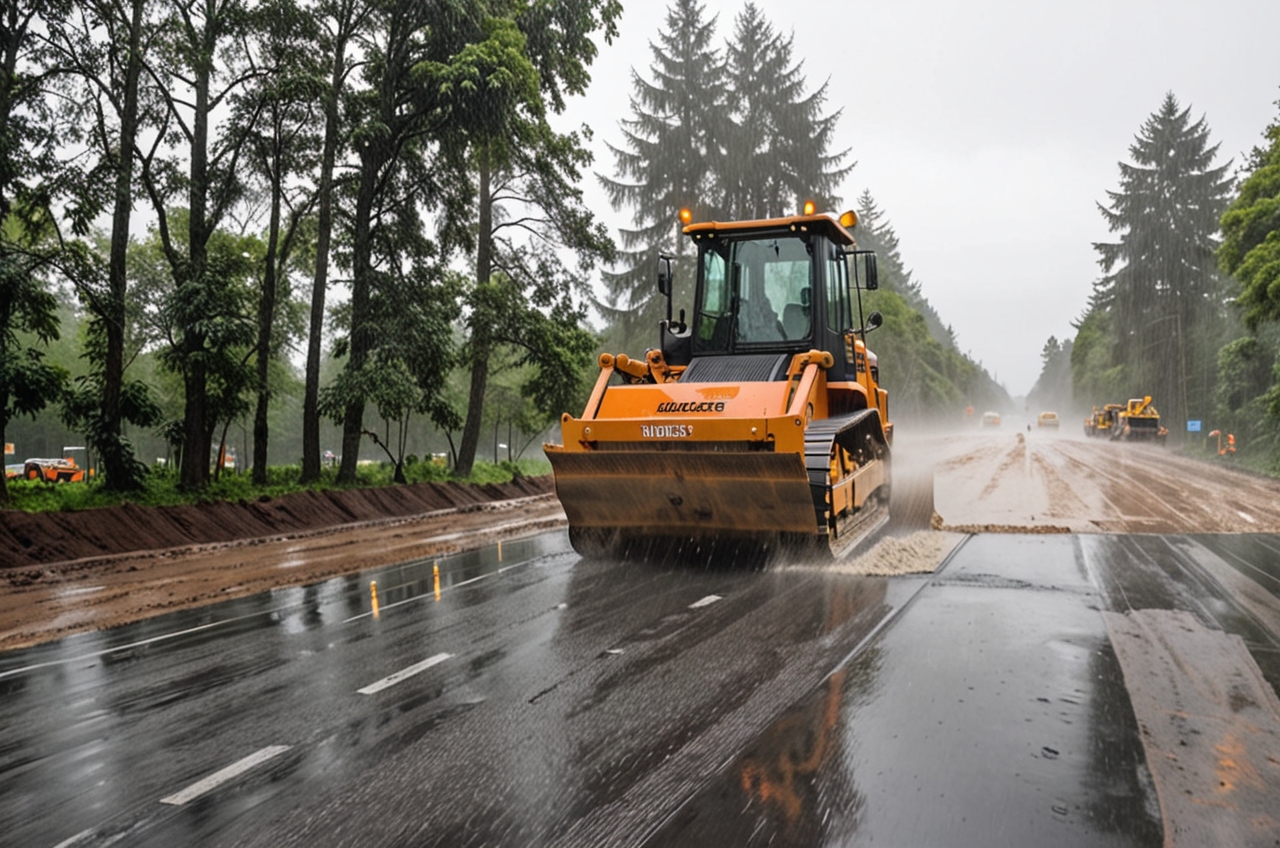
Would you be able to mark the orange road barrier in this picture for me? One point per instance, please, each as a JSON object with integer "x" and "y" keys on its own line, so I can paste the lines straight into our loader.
{"x": 373, "y": 593}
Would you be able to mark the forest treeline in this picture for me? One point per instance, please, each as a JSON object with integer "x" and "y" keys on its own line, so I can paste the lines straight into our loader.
{"x": 1187, "y": 309}
{"x": 185, "y": 184}
{"x": 272, "y": 150}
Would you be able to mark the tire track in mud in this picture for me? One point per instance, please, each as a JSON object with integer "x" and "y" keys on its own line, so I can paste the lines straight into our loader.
{"x": 1016, "y": 455}
{"x": 1138, "y": 515}
{"x": 1071, "y": 484}
{"x": 1065, "y": 503}
{"x": 1177, "y": 496}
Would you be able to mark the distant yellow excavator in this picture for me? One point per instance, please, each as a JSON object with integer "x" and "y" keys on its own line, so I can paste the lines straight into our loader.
{"x": 1139, "y": 421}
{"x": 759, "y": 423}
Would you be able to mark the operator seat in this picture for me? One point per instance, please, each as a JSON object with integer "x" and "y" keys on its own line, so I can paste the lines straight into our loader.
{"x": 795, "y": 316}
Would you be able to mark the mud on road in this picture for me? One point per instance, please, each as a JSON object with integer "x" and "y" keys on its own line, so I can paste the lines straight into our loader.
{"x": 982, "y": 483}
{"x": 1046, "y": 482}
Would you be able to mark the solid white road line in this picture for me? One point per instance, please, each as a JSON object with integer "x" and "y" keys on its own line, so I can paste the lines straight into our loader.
{"x": 218, "y": 778}
{"x": 707, "y": 601}
{"x": 404, "y": 674}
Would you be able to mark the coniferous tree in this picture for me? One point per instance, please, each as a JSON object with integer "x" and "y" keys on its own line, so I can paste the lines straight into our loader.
{"x": 777, "y": 141}
{"x": 1166, "y": 300}
{"x": 668, "y": 161}
{"x": 1053, "y": 387}
{"x": 874, "y": 232}
{"x": 734, "y": 137}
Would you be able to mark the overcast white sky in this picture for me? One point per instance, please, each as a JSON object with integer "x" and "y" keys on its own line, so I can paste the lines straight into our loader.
{"x": 988, "y": 130}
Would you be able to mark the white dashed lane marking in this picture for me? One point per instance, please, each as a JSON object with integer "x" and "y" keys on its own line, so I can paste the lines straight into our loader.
{"x": 404, "y": 674}
{"x": 707, "y": 601}
{"x": 218, "y": 778}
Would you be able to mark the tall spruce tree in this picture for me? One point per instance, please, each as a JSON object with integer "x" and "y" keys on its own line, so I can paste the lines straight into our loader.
{"x": 1053, "y": 387}
{"x": 777, "y": 141}
{"x": 732, "y": 137}
{"x": 670, "y": 157}
{"x": 1161, "y": 287}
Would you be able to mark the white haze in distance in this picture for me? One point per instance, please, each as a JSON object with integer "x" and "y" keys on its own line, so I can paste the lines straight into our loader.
{"x": 988, "y": 130}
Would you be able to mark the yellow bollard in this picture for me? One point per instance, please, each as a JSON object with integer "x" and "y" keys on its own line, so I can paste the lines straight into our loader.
{"x": 436, "y": 570}
{"x": 373, "y": 592}
{"x": 499, "y": 552}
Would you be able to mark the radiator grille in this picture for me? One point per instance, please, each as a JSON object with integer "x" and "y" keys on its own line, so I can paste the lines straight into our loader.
{"x": 739, "y": 368}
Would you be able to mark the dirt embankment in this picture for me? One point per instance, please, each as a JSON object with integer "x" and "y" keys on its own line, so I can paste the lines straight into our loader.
{"x": 71, "y": 573}
{"x": 28, "y": 539}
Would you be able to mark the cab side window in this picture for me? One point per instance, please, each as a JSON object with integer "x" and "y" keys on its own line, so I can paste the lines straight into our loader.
{"x": 838, "y": 314}
{"x": 713, "y": 326}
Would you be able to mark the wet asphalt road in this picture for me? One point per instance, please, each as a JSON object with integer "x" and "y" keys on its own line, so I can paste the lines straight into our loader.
{"x": 544, "y": 700}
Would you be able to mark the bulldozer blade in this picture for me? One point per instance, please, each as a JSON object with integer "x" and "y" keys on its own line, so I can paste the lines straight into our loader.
{"x": 692, "y": 495}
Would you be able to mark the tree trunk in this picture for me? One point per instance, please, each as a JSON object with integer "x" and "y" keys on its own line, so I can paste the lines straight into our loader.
{"x": 266, "y": 317}
{"x": 195, "y": 453}
{"x": 117, "y": 475}
{"x": 194, "y": 473}
{"x": 361, "y": 271}
{"x": 481, "y": 342}
{"x": 324, "y": 228}
{"x": 4, "y": 426}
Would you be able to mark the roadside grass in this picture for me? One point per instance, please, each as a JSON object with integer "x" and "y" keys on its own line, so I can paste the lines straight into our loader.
{"x": 1252, "y": 462}
{"x": 162, "y": 488}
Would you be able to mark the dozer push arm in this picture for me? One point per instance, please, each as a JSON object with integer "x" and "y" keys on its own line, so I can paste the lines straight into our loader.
{"x": 801, "y": 376}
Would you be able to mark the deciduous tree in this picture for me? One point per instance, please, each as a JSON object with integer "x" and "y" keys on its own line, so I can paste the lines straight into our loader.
{"x": 201, "y": 66}
{"x": 529, "y": 205}
{"x": 1251, "y": 233}
{"x": 282, "y": 105}
{"x": 339, "y": 23}
{"x": 101, "y": 50}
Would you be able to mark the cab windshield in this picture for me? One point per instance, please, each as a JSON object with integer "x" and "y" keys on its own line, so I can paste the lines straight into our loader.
{"x": 753, "y": 292}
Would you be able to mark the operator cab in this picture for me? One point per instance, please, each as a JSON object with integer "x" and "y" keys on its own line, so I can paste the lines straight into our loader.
{"x": 767, "y": 290}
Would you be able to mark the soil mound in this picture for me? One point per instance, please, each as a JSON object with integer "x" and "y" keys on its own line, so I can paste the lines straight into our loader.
{"x": 39, "y": 538}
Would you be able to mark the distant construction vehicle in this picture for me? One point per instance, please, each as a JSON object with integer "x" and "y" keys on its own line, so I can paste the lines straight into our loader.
{"x": 759, "y": 424}
{"x": 63, "y": 470}
{"x": 1102, "y": 422}
{"x": 1139, "y": 421}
